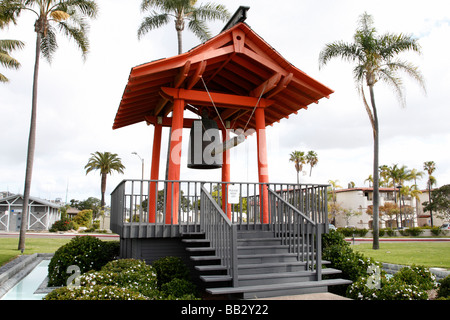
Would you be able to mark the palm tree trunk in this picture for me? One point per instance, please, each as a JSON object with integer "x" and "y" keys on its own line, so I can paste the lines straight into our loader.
{"x": 31, "y": 147}
{"x": 180, "y": 41}
{"x": 376, "y": 184}
{"x": 429, "y": 200}
{"x": 103, "y": 187}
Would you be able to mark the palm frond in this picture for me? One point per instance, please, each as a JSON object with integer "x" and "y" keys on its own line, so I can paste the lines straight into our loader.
{"x": 58, "y": 15}
{"x": 10, "y": 10}
{"x": 49, "y": 45}
{"x": 211, "y": 11}
{"x": 88, "y": 8}
{"x": 388, "y": 76}
{"x": 200, "y": 29}
{"x": 151, "y": 22}
{"x": 394, "y": 44}
{"x": 409, "y": 69}
{"x": 347, "y": 51}
{"x": 10, "y": 45}
{"x": 76, "y": 33}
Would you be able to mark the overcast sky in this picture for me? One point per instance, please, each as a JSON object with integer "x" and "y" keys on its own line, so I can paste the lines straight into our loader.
{"x": 78, "y": 100}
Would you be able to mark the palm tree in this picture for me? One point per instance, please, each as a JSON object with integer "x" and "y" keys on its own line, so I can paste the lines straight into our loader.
{"x": 376, "y": 60}
{"x": 6, "y": 46}
{"x": 370, "y": 180}
{"x": 312, "y": 160}
{"x": 107, "y": 163}
{"x": 181, "y": 11}
{"x": 67, "y": 16}
{"x": 334, "y": 186}
{"x": 430, "y": 167}
{"x": 298, "y": 157}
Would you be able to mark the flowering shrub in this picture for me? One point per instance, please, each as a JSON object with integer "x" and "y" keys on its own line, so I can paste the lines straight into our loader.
{"x": 369, "y": 282}
{"x": 417, "y": 275}
{"x": 62, "y": 225}
{"x": 390, "y": 289}
{"x": 86, "y": 253}
{"x": 410, "y": 283}
{"x": 132, "y": 274}
{"x": 97, "y": 292}
{"x": 127, "y": 279}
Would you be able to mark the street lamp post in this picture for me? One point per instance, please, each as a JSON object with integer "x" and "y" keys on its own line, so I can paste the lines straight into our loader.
{"x": 142, "y": 185}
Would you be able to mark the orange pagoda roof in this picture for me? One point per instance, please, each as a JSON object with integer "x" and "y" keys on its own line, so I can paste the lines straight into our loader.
{"x": 236, "y": 70}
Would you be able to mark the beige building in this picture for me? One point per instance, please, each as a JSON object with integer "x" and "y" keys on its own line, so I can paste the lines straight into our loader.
{"x": 352, "y": 205}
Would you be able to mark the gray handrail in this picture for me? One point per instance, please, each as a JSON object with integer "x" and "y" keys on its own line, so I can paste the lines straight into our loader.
{"x": 221, "y": 233}
{"x": 301, "y": 234}
{"x": 292, "y": 207}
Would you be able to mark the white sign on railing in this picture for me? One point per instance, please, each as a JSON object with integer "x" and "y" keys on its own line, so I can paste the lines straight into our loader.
{"x": 233, "y": 194}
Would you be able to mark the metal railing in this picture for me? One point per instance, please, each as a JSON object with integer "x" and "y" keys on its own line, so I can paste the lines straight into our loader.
{"x": 163, "y": 208}
{"x": 177, "y": 203}
{"x": 221, "y": 233}
{"x": 301, "y": 234}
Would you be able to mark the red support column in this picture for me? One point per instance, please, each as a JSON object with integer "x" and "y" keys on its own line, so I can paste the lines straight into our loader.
{"x": 263, "y": 170}
{"x": 226, "y": 174}
{"x": 154, "y": 174}
{"x": 173, "y": 188}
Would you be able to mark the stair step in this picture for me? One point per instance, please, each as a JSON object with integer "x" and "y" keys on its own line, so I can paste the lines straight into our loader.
{"x": 202, "y": 258}
{"x": 200, "y": 241}
{"x": 270, "y": 257}
{"x": 216, "y": 278}
{"x": 199, "y": 249}
{"x": 215, "y": 267}
{"x": 281, "y": 289}
{"x": 282, "y": 277}
{"x": 271, "y": 267}
{"x": 278, "y": 248}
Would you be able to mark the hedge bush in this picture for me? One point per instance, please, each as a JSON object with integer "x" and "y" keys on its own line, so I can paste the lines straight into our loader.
{"x": 414, "y": 232}
{"x": 86, "y": 252}
{"x": 168, "y": 268}
{"x": 444, "y": 288}
{"x": 64, "y": 224}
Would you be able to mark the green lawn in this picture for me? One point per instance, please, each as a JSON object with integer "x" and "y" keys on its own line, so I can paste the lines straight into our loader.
{"x": 428, "y": 254}
{"x": 8, "y": 247}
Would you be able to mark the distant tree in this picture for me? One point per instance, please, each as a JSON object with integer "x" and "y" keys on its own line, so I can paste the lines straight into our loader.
{"x": 430, "y": 167}
{"x": 299, "y": 159}
{"x": 90, "y": 203}
{"x": 106, "y": 163}
{"x": 312, "y": 160}
{"x": 440, "y": 202}
{"x": 66, "y": 16}
{"x": 181, "y": 11}
{"x": 375, "y": 59}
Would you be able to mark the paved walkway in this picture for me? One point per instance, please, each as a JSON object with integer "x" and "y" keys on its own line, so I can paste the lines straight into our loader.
{"x": 310, "y": 296}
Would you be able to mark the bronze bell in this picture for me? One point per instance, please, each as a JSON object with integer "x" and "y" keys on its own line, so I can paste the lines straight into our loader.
{"x": 204, "y": 139}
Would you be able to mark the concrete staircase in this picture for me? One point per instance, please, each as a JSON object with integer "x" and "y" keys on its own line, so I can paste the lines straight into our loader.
{"x": 266, "y": 268}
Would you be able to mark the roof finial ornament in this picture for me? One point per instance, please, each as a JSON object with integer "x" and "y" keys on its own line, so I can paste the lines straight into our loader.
{"x": 239, "y": 16}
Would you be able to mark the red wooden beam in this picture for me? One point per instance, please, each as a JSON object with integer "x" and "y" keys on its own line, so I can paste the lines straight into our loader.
{"x": 202, "y": 98}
